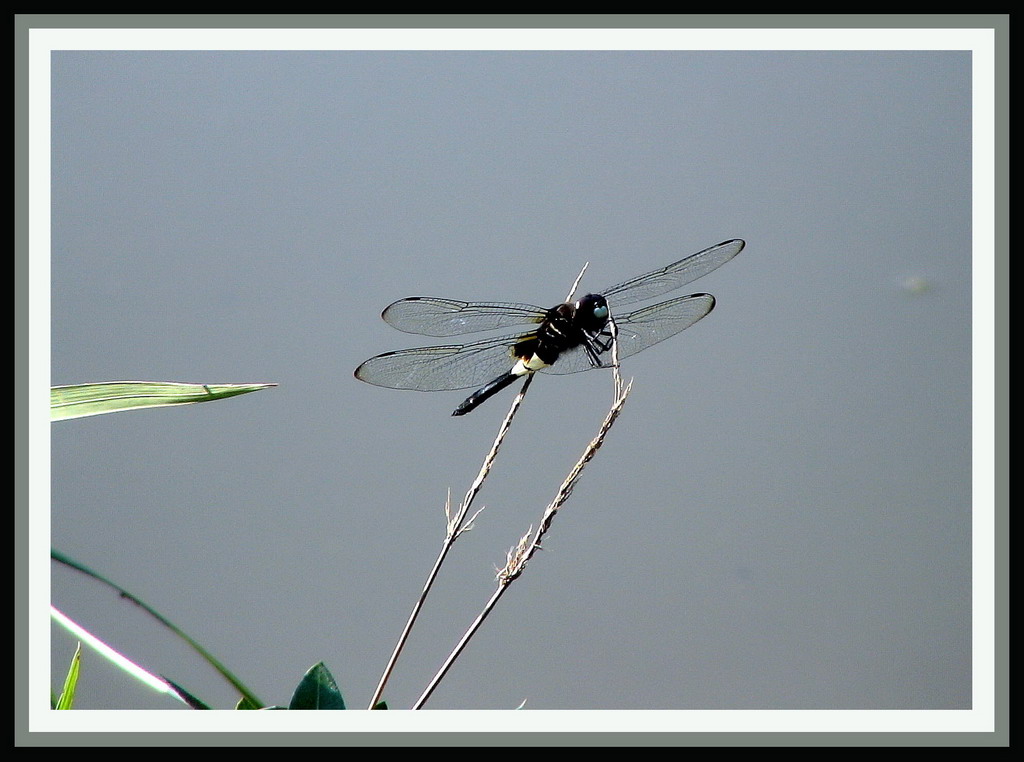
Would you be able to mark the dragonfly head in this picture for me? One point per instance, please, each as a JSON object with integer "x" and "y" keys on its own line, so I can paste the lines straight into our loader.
{"x": 592, "y": 311}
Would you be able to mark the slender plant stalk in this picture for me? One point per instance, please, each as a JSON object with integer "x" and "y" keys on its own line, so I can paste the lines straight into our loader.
{"x": 488, "y": 607}
{"x": 530, "y": 543}
{"x": 457, "y": 524}
{"x": 56, "y": 555}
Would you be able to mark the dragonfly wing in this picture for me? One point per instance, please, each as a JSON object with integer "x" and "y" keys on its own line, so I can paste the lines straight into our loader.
{"x": 431, "y": 369}
{"x": 646, "y": 327}
{"x": 433, "y": 316}
{"x": 676, "y": 275}
{"x": 641, "y": 329}
{"x": 571, "y": 360}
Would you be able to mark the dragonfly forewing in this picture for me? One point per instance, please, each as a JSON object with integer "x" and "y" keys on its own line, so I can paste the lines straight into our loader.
{"x": 434, "y": 316}
{"x": 673, "y": 276}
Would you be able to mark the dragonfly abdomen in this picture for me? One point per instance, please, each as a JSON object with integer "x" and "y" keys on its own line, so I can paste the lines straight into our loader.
{"x": 484, "y": 392}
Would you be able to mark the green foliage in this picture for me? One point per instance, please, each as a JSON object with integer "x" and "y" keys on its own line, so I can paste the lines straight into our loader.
{"x": 79, "y": 400}
{"x": 247, "y": 694}
{"x": 317, "y": 690}
{"x": 67, "y": 696}
{"x": 185, "y": 696}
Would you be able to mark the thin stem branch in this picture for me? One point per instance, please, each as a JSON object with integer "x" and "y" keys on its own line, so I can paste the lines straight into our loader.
{"x": 488, "y": 607}
{"x": 455, "y": 526}
{"x": 527, "y": 546}
{"x": 576, "y": 283}
{"x": 519, "y": 556}
{"x": 59, "y": 557}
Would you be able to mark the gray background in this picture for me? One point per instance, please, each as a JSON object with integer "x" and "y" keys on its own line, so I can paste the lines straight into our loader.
{"x": 781, "y": 517}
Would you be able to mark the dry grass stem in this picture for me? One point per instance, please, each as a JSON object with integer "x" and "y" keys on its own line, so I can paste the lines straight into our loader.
{"x": 576, "y": 283}
{"x": 455, "y": 526}
{"x": 523, "y": 552}
{"x": 519, "y": 555}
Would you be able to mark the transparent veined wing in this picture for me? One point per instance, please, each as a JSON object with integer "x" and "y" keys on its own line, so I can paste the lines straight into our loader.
{"x": 432, "y": 369}
{"x": 641, "y": 329}
{"x": 434, "y": 316}
{"x": 673, "y": 276}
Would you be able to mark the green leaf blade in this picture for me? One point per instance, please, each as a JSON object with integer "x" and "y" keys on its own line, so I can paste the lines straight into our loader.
{"x": 80, "y": 400}
{"x": 191, "y": 700}
{"x": 317, "y": 690}
{"x": 67, "y": 696}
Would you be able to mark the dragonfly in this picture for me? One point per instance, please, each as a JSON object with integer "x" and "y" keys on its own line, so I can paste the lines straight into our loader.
{"x": 568, "y": 338}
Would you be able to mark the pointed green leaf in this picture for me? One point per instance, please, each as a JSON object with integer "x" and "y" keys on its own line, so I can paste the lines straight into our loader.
{"x": 317, "y": 690}
{"x": 67, "y": 696}
{"x": 79, "y": 400}
{"x": 187, "y": 697}
{"x": 246, "y": 703}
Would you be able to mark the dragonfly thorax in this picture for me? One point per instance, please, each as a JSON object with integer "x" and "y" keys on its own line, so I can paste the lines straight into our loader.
{"x": 566, "y": 326}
